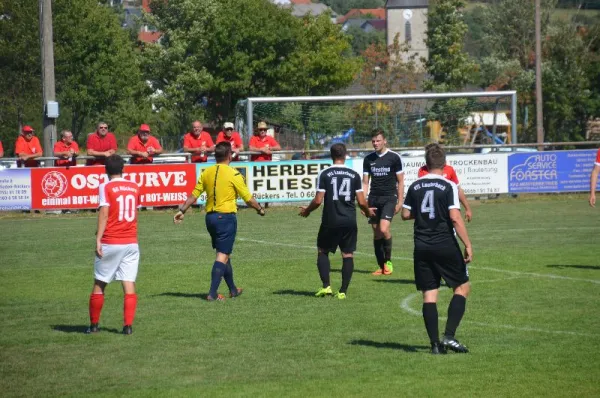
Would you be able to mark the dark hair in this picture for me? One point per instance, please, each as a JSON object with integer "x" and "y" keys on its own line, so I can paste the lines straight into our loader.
{"x": 338, "y": 151}
{"x": 435, "y": 158}
{"x": 114, "y": 165}
{"x": 222, "y": 151}
{"x": 377, "y": 132}
{"x": 432, "y": 145}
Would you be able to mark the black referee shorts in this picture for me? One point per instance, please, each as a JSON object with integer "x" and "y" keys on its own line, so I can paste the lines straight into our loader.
{"x": 444, "y": 262}
{"x": 330, "y": 238}
{"x": 385, "y": 205}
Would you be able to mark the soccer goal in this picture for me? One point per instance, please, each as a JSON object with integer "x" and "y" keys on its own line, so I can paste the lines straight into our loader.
{"x": 312, "y": 123}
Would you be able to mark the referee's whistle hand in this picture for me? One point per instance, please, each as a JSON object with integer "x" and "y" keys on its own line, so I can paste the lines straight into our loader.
{"x": 178, "y": 218}
{"x": 303, "y": 212}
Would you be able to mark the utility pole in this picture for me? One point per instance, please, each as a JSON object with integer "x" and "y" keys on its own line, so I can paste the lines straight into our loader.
{"x": 376, "y": 69}
{"x": 539, "y": 111}
{"x": 49, "y": 94}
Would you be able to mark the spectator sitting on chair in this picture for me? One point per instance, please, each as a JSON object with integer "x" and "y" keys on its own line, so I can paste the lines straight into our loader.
{"x": 100, "y": 144}
{"x": 143, "y": 147}
{"x": 199, "y": 143}
{"x": 66, "y": 150}
{"x": 28, "y": 148}
{"x": 233, "y": 137}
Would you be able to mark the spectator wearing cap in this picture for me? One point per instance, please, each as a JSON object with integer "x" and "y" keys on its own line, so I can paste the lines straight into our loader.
{"x": 100, "y": 144}
{"x": 263, "y": 143}
{"x": 28, "y": 148}
{"x": 66, "y": 150}
{"x": 233, "y": 137}
{"x": 142, "y": 147}
{"x": 198, "y": 142}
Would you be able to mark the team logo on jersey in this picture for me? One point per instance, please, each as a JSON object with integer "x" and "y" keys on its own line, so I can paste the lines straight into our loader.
{"x": 54, "y": 184}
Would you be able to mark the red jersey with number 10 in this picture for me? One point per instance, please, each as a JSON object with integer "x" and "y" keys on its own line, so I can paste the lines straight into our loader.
{"x": 448, "y": 173}
{"x": 123, "y": 199}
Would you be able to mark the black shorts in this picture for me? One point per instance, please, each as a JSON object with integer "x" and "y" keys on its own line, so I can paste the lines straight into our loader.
{"x": 444, "y": 262}
{"x": 222, "y": 228}
{"x": 386, "y": 207}
{"x": 330, "y": 238}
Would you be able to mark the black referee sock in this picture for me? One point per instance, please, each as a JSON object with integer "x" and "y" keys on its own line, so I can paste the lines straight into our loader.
{"x": 347, "y": 270}
{"x": 324, "y": 267}
{"x": 456, "y": 310}
{"x": 430, "y": 316}
{"x": 228, "y": 276}
{"x": 218, "y": 270}
{"x": 387, "y": 249}
{"x": 379, "y": 254}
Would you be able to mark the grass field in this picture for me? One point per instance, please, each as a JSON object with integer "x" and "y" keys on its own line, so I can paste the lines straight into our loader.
{"x": 532, "y": 322}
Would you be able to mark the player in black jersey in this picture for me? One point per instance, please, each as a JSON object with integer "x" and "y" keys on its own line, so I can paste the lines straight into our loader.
{"x": 384, "y": 170}
{"x": 339, "y": 186}
{"x": 432, "y": 201}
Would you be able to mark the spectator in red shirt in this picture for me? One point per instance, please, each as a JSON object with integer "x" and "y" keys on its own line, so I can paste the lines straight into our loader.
{"x": 1, "y": 150}
{"x": 233, "y": 137}
{"x": 143, "y": 147}
{"x": 101, "y": 144}
{"x": 66, "y": 150}
{"x": 28, "y": 148}
{"x": 199, "y": 143}
{"x": 263, "y": 143}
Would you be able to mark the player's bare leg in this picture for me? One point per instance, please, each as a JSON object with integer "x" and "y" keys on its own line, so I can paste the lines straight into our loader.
{"x": 95, "y": 305}
{"x": 430, "y": 316}
{"x": 456, "y": 310}
{"x": 129, "y": 306}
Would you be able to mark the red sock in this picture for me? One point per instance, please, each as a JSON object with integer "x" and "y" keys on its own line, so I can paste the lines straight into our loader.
{"x": 96, "y": 303}
{"x": 129, "y": 305}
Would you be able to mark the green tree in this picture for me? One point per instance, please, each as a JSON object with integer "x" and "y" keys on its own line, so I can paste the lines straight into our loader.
{"x": 343, "y": 6}
{"x": 361, "y": 39}
{"x": 448, "y": 64}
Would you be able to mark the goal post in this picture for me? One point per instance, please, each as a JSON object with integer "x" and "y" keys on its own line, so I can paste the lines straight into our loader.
{"x": 311, "y": 122}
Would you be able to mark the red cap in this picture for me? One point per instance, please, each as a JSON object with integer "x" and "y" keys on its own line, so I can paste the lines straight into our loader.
{"x": 27, "y": 129}
{"x": 144, "y": 127}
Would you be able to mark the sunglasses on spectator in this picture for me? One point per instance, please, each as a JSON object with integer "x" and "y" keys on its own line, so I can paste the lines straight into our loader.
{"x": 229, "y": 129}
{"x": 262, "y": 129}
{"x": 103, "y": 127}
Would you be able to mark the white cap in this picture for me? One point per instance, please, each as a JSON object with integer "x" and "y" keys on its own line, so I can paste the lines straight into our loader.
{"x": 228, "y": 125}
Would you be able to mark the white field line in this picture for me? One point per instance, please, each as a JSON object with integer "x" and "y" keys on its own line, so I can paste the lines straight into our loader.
{"x": 405, "y": 305}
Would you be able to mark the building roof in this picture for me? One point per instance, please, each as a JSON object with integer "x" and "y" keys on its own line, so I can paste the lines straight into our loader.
{"x": 300, "y": 10}
{"x": 378, "y": 13}
{"x": 355, "y": 22}
{"x": 149, "y": 37}
{"x": 377, "y": 24}
{"x": 406, "y": 3}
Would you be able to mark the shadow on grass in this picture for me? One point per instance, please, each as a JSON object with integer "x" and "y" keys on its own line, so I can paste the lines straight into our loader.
{"x": 80, "y": 329}
{"x": 184, "y": 295}
{"x": 356, "y": 271}
{"x": 596, "y": 267}
{"x": 399, "y": 281}
{"x": 291, "y": 292}
{"x": 393, "y": 346}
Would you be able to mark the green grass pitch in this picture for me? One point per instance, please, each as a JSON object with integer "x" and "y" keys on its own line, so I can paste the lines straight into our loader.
{"x": 532, "y": 321}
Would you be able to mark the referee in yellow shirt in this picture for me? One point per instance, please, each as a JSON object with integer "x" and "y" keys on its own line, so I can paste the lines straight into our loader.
{"x": 222, "y": 184}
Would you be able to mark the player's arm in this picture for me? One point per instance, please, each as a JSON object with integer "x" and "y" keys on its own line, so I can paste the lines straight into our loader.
{"x": 407, "y": 207}
{"x": 461, "y": 231}
{"x": 198, "y": 189}
{"x": 365, "y": 184}
{"x": 102, "y": 220}
{"x": 313, "y": 205}
{"x": 400, "y": 188}
{"x": 593, "y": 183}
{"x": 463, "y": 200}
{"x": 364, "y": 206}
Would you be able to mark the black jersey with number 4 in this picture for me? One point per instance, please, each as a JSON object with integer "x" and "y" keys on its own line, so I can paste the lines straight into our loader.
{"x": 382, "y": 169}
{"x": 429, "y": 200}
{"x": 340, "y": 185}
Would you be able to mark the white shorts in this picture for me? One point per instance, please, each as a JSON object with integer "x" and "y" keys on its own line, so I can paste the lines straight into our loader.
{"x": 118, "y": 262}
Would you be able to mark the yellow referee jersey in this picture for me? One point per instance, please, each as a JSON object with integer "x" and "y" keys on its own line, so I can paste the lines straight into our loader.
{"x": 222, "y": 184}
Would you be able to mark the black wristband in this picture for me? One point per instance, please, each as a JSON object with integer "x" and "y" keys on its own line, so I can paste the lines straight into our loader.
{"x": 181, "y": 210}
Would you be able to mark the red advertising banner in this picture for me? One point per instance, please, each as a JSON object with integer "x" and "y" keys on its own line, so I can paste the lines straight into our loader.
{"x": 77, "y": 187}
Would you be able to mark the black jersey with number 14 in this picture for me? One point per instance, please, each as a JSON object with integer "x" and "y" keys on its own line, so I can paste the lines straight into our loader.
{"x": 340, "y": 185}
{"x": 429, "y": 200}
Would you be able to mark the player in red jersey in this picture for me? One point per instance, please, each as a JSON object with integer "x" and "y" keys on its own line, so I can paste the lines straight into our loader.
{"x": 594, "y": 180}
{"x": 449, "y": 174}
{"x": 117, "y": 251}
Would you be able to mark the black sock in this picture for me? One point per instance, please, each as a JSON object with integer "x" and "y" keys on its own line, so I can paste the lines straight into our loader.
{"x": 379, "y": 255}
{"x": 387, "y": 249}
{"x": 456, "y": 310}
{"x": 228, "y": 275}
{"x": 430, "y": 316}
{"x": 218, "y": 270}
{"x": 323, "y": 265}
{"x": 347, "y": 270}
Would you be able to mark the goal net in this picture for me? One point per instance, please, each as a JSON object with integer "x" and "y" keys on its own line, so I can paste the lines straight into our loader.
{"x": 313, "y": 123}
